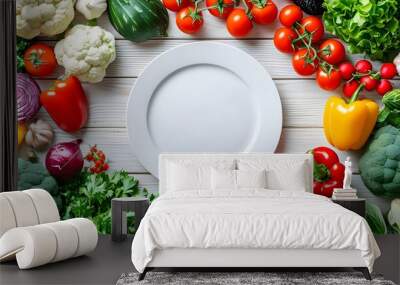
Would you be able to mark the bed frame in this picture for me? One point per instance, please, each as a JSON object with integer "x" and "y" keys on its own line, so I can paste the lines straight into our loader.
{"x": 242, "y": 259}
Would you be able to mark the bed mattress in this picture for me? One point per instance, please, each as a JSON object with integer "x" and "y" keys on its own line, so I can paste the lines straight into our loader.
{"x": 250, "y": 219}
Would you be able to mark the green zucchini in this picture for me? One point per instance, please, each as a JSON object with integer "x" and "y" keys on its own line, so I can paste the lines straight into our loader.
{"x": 138, "y": 20}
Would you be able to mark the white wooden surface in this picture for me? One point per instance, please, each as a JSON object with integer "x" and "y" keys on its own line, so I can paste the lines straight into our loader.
{"x": 303, "y": 101}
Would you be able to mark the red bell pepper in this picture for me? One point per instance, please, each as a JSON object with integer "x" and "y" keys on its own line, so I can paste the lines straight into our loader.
{"x": 328, "y": 171}
{"x": 66, "y": 104}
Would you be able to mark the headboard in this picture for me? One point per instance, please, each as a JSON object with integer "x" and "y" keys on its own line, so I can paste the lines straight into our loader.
{"x": 164, "y": 158}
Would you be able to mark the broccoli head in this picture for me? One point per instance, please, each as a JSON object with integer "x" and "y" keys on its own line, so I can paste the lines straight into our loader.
{"x": 380, "y": 164}
{"x": 35, "y": 175}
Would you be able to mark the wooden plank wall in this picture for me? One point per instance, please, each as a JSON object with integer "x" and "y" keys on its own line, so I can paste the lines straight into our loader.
{"x": 302, "y": 99}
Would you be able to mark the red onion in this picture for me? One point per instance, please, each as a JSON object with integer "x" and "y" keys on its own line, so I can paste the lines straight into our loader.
{"x": 28, "y": 100}
{"x": 65, "y": 160}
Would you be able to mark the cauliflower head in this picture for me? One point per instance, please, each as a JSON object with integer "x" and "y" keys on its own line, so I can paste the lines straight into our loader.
{"x": 86, "y": 52}
{"x": 91, "y": 9}
{"x": 43, "y": 17}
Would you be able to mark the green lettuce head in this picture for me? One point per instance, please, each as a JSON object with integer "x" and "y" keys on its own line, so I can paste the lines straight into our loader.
{"x": 394, "y": 215}
{"x": 366, "y": 26}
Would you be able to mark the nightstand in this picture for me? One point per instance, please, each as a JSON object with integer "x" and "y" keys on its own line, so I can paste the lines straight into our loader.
{"x": 355, "y": 205}
{"x": 119, "y": 208}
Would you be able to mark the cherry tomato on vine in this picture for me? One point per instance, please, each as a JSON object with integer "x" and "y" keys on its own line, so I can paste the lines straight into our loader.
{"x": 369, "y": 82}
{"x": 290, "y": 14}
{"x": 332, "y": 51}
{"x": 313, "y": 25}
{"x": 175, "y": 5}
{"x": 249, "y": 3}
{"x": 238, "y": 23}
{"x": 188, "y": 20}
{"x": 328, "y": 80}
{"x": 346, "y": 70}
{"x": 363, "y": 66}
{"x": 349, "y": 88}
{"x": 383, "y": 87}
{"x": 265, "y": 12}
{"x": 388, "y": 70}
{"x": 303, "y": 62}
{"x": 283, "y": 39}
{"x": 39, "y": 60}
{"x": 220, "y": 8}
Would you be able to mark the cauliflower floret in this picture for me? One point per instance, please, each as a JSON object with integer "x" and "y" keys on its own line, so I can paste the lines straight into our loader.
{"x": 43, "y": 17}
{"x": 91, "y": 9}
{"x": 86, "y": 52}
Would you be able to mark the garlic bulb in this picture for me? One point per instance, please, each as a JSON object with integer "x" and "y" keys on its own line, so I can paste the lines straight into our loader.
{"x": 396, "y": 62}
{"x": 39, "y": 135}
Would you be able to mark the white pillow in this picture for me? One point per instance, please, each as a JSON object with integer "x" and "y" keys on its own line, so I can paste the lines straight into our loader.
{"x": 193, "y": 174}
{"x": 281, "y": 174}
{"x": 183, "y": 178}
{"x": 223, "y": 179}
{"x": 237, "y": 179}
{"x": 251, "y": 178}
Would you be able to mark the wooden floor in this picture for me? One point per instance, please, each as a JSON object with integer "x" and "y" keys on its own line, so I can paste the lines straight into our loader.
{"x": 110, "y": 259}
{"x": 103, "y": 266}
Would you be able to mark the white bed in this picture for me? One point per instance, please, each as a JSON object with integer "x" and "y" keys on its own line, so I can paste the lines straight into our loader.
{"x": 201, "y": 220}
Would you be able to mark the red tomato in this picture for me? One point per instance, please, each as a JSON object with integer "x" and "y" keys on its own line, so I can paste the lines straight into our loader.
{"x": 221, "y": 8}
{"x": 302, "y": 62}
{"x": 324, "y": 155}
{"x": 369, "y": 82}
{"x": 349, "y": 88}
{"x": 388, "y": 70}
{"x": 249, "y": 4}
{"x": 383, "y": 87}
{"x": 363, "y": 66}
{"x": 290, "y": 14}
{"x": 266, "y": 14}
{"x": 328, "y": 81}
{"x": 332, "y": 51}
{"x": 39, "y": 60}
{"x": 313, "y": 25}
{"x": 238, "y": 23}
{"x": 188, "y": 20}
{"x": 283, "y": 39}
{"x": 346, "y": 70}
{"x": 175, "y": 5}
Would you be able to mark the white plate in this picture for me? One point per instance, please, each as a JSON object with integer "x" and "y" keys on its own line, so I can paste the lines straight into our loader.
{"x": 203, "y": 97}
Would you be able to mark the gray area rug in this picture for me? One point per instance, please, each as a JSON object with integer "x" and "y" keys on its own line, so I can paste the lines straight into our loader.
{"x": 243, "y": 278}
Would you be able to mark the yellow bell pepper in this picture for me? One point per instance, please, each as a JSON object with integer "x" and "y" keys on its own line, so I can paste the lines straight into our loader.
{"x": 347, "y": 125}
{"x": 22, "y": 129}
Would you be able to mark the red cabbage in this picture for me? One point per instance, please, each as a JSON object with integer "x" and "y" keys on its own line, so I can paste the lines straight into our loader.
{"x": 28, "y": 100}
{"x": 65, "y": 160}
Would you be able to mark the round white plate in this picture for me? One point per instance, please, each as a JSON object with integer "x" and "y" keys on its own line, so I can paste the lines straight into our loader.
{"x": 203, "y": 97}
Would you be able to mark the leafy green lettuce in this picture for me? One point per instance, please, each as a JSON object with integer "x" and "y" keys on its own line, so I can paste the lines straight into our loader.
{"x": 89, "y": 196}
{"x": 367, "y": 26}
{"x": 375, "y": 219}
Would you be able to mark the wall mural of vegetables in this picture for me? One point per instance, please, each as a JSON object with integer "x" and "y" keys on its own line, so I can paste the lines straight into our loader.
{"x": 83, "y": 185}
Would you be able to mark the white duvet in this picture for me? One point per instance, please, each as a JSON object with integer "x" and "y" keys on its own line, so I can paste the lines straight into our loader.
{"x": 250, "y": 219}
